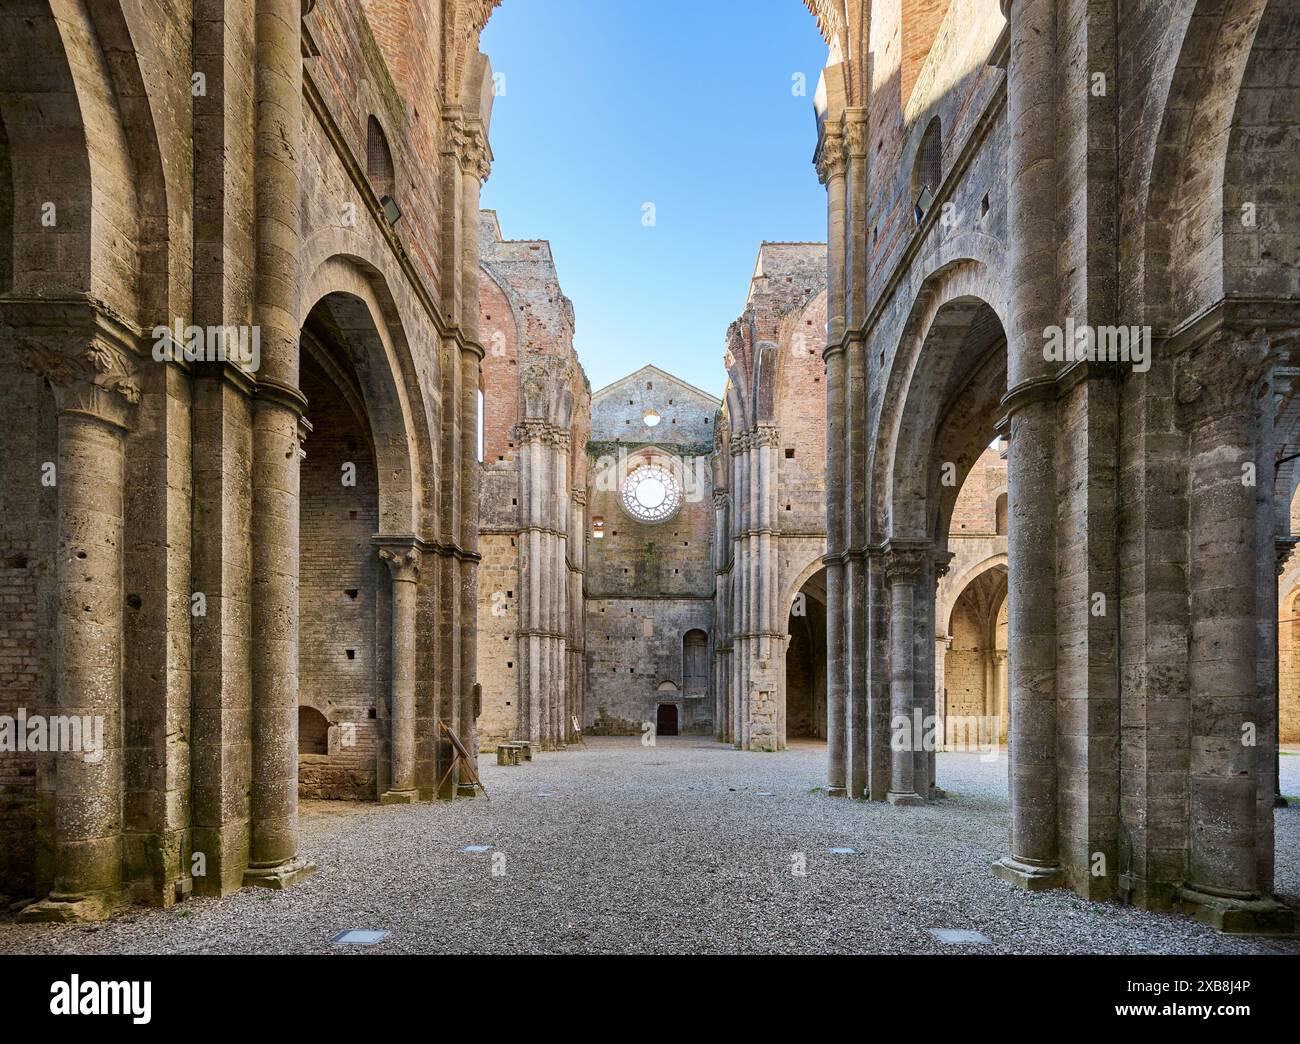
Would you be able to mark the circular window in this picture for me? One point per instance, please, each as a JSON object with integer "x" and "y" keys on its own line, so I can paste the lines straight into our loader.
{"x": 651, "y": 494}
{"x": 651, "y": 418}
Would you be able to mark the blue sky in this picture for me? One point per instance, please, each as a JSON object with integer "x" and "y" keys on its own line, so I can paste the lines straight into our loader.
{"x": 611, "y": 104}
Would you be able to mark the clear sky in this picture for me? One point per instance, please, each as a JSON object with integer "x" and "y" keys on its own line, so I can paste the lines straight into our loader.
{"x": 687, "y": 105}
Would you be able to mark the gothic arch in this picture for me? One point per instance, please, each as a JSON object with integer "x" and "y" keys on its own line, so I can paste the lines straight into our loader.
{"x": 1185, "y": 207}
{"x": 805, "y": 574}
{"x": 355, "y": 300}
{"x": 111, "y": 209}
{"x": 958, "y": 583}
{"x": 950, "y": 300}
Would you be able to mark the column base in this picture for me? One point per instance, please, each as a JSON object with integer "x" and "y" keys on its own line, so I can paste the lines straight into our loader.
{"x": 1281, "y": 802}
{"x": 937, "y": 792}
{"x": 1032, "y": 877}
{"x": 57, "y": 908}
{"x": 281, "y": 875}
{"x": 1260, "y": 915}
{"x": 904, "y": 799}
{"x": 840, "y": 791}
{"x": 466, "y": 790}
{"x": 399, "y": 797}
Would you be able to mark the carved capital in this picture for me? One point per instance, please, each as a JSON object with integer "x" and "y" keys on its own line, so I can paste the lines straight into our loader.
{"x": 767, "y": 435}
{"x": 904, "y": 565}
{"x": 529, "y": 429}
{"x": 89, "y": 358}
{"x": 1223, "y": 376}
{"x": 832, "y": 156}
{"x": 472, "y": 150}
{"x": 942, "y": 563}
{"x": 403, "y": 562}
{"x": 1283, "y": 547}
{"x": 855, "y": 133}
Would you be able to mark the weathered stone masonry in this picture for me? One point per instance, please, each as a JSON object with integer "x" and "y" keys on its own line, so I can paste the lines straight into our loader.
{"x": 770, "y": 495}
{"x": 536, "y": 417}
{"x": 317, "y": 183}
{"x": 993, "y": 175}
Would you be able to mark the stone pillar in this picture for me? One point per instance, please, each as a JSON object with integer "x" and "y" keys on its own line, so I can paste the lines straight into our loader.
{"x": 1283, "y": 548}
{"x": 768, "y": 642}
{"x": 904, "y": 568}
{"x": 474, "y": 157}
{"x": 831, "y": 171}
{"x": 95, "y": 392}
{"x": 721, "y": 617}
{"x": 1000, "y": 694}
{"x": 1220, "y": 391}
{"x": 403, "y": 561}
{"x": 278, "y": 407}
{"x": 1032, "y": 205}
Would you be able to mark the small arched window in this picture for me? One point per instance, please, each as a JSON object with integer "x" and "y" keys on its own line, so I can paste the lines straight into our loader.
{"x": 313, "y": 731}
{"x": 928, "y": 171}
{"x": 379, "y": 161}
{"x": 1000, "y": 516}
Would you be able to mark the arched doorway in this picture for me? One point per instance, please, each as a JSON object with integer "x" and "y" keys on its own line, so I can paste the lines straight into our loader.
{"x": 666, "y": 720}
{"x": 805, "y": 662}
{"x": 342, "y": 665}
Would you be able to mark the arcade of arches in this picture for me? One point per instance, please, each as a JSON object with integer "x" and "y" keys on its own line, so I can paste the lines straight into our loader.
{"x": 302, "y": 474}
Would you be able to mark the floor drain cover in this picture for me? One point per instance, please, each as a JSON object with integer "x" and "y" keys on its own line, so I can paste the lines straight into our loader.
{"x": 842, "y": 851}
{"x": 477, "y": 848}
{"x": 359, "y": 937}
{"x": 955, "y": 936}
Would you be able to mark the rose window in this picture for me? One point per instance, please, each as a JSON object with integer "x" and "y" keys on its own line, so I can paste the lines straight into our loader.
{"x": 651, "y": 494}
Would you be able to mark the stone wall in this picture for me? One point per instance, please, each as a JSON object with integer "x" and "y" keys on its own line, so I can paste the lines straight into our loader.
{"x": 770, "y": 511}
{"x": 207, "y": 591}
{"x": 648, "y": 583}
{"x": 532, "y": 508}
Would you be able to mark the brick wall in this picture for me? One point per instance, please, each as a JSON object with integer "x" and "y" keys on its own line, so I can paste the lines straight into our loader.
{"x": 27, "y": 577}
{"x": 340, "y": 670}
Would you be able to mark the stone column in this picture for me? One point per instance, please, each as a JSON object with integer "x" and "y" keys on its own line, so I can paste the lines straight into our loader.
{"x": 95, "y": 392}
{"x": 278, "y": 407}
{"x": 1000, "y": 694}
{"x": 831, "y": 171}
{"x": 1032, "y": 205}
{"x": 904, "y": 571}
{"x": 403, "y": 561}
{"x": 1219, "y": 389}
{"x": 1283, "y": 548}
{"x": 721, "y": 622}
{"x": 475, "y": 164}
{"x": 771, "y": 734}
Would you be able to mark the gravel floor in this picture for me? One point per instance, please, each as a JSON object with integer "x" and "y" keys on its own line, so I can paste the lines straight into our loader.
{"x": 687, "y": 847}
